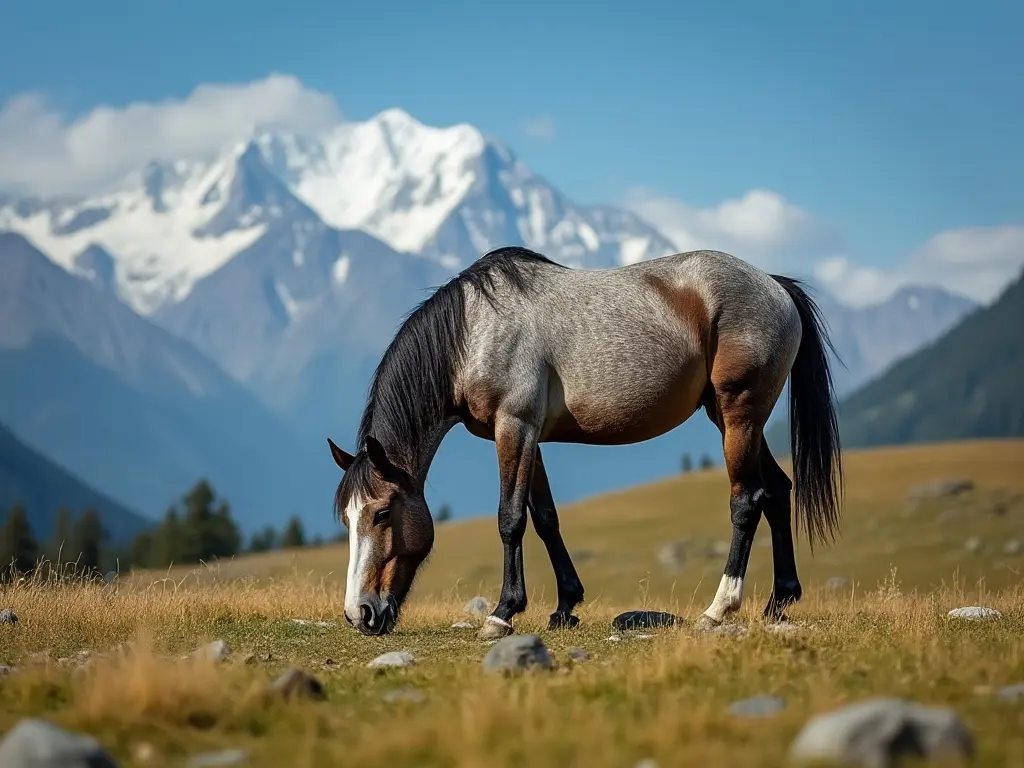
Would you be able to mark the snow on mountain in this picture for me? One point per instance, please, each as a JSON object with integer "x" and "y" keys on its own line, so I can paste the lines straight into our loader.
{"x": 448, "y": 194}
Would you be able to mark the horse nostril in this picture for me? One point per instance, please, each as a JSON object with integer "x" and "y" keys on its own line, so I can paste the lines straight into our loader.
{"x": 366, "y": 614}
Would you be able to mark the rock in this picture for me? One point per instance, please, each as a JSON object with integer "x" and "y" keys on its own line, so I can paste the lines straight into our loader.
{"x": 646, "y": 764}
{"x": 218, "y": 650}
{"x": 462, "y": 625}
{"x": 718, "y": 548}
{"x": 732, "y": 630}
{"x": 759, "y": 706}
{"x": 517, "y": 653}
{"x": 393, "y": 659}
{"x": 878, "y": 731}
{"x": 1013, "y": 692}
{"x": 614, "y": 638}
{"x": 672, "y": 555}
{"x": 943, "y": 489}
{"x": 974, "y": 545}
{"x": 644, "y": 620}
{"x": 8, "y": 616}
{"x": 582, "y": 555}
{"x": 36, "y": 743}
{"x": 5, "y": 670}
{"x": 975, "y": 613}
{"x": 297, "y": 683}
{"x": 478, "y": 606}
{"x": 215, "y": 759}
{"x": 110, "y": 577}
{"x": 406, "y": 694}
{"x": 1012, "y": 547}
{"x": 782, "y": 628}
{"x": 837, "y": 584}
{"x": 311, "y": 623}
{"x": 578, "y": 654}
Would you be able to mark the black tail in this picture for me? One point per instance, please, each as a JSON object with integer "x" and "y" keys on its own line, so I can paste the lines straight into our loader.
{"x": 813, "y": 426}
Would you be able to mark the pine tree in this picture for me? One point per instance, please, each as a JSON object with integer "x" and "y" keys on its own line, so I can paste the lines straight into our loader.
{"x": 294, "y": 534}
{"x": 444, "y": 514}
{"x": 706, "y": 462}
{"x": 60, "y": 540}
{"x": 142, "y": 552}
{"x": 264, "y": 540}
{"x": 88, "y": 536}
{"x": 167, "y": 546}
{"x": 207, "y": 534}
{"x": 687, "y": 463}
{"x": 18, "y": 548}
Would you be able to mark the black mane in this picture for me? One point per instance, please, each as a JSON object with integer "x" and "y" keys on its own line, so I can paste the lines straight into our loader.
{"x": 411, "y": 390}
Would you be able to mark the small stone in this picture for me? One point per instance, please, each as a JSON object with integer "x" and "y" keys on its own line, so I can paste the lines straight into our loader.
{"x": 644, "y": 620}
{"x": 731, "y": 630}
{"x": 311, "y": 623}
{"x": 975, "y": 613}
{"x": 578, "y": 654}
{"x": 582, "y": 555}
{"x": 36, "y": 743}
{"x": 672, "y": 555}
{"x": 144, "y": 752}
{"x": 5, "y": 670}
{"x": 646, "y": 764}
{"x": 1012, "y": 547}
{"x": 392, "y": 659}
{"x": 218, "y": 650}
{"x": 879, "y": 731}
{"x": 110, "y": 577}
{"x": 759, "y": 706}
{"x": 943, "y": 489}
{"x": 517, "y": 653}
{"x": 642, "y": 637}
{"x": 1013, "y": 692}
{"x": 478, "y": 606}
{"x": 782, "y": 628}
{"x": 462, "y": 625}
{"x": 297, "y": 683}
{"x": 8, "y": 616}
{"x": 837, "y": 584}
{"x": 406, "y": 694}
{"x": 718, "y": 548}
{"x": 614, "y": 638}
{"x": 974, "y": 545}
{"x": 216, "y": 759}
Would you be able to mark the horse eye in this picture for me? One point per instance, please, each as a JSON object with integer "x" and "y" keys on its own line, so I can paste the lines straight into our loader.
{"x": 381, "y": 516}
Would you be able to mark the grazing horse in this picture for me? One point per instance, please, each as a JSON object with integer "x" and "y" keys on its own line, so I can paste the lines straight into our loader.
{"x": 523, "y": 351}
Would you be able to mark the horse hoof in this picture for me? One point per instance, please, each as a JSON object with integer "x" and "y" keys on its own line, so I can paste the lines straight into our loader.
{"x": 494, "y": 629}
{"x": 562, "y": 621}
{"x": 705, "y": 623}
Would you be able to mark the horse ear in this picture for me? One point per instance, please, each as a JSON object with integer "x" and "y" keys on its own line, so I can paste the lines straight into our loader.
{"x": 379, "y": 457}
{"x": 342, "y": 459}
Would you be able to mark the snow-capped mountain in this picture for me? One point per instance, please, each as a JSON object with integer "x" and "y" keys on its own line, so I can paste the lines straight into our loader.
{"x": 447, "y": 194}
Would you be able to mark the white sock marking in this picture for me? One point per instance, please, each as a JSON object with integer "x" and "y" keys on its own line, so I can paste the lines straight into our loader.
{"x": 728, "y": 599}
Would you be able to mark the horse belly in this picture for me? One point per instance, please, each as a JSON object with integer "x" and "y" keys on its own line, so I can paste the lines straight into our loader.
{"x": 619, "y": 406}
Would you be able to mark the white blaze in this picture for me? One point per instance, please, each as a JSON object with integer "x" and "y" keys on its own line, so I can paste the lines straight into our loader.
{"x": 357, "y": 557}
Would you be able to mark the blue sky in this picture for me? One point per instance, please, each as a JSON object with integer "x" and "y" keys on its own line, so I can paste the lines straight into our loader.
{"x": 889, "y": 125}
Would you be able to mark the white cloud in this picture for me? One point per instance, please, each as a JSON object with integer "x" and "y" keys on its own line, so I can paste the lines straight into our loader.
{"x": 542, "y": 128}
{"x": 42, "y": 151}
{"x": 761, "y": 227}
{"x": 975, "y": 261}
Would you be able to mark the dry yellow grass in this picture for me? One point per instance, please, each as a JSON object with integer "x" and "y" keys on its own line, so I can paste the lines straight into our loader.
{"x": 663, "y": 698}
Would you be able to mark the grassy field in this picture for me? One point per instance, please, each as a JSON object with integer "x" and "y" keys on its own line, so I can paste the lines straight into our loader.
{"x": 663, "y": 697}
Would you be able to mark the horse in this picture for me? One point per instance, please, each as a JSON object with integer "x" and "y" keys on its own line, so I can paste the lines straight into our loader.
{"x": 522, "y": 351}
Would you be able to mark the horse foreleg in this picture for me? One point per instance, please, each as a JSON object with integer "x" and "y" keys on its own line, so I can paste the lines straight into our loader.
{"x": 545, "y": 521}
{"x": 516, "y": 443}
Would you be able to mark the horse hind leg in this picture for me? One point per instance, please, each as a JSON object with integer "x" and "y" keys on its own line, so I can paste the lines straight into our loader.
{"x": 786, "y": 588}
{"x": 545, "y": 522}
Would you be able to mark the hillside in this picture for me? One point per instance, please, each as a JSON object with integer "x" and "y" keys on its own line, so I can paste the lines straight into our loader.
{"x": 29, "y": 478}
{"x": 131, "y": 409}
{"x": 968, "y": 383}
{"x": 616, "y": 539}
